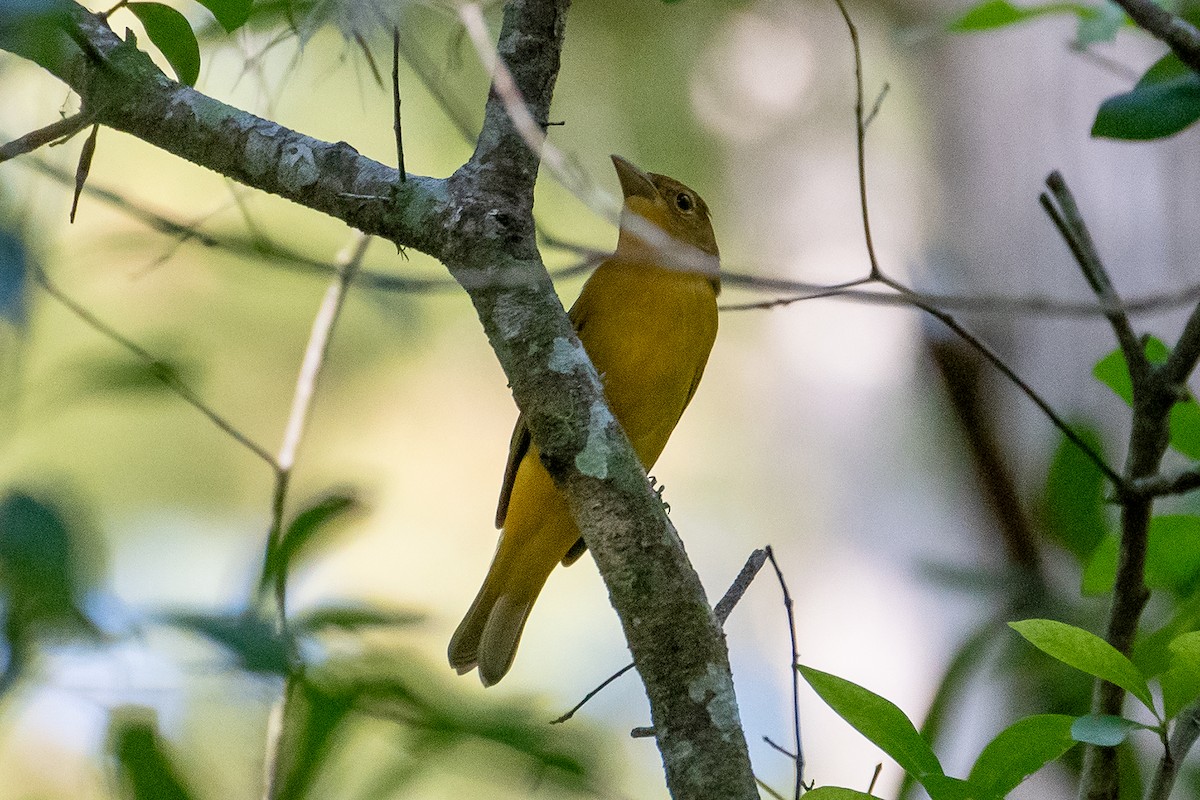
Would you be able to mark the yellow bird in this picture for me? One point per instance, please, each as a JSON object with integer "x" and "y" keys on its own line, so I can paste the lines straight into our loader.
{"x": 648, "y": 318}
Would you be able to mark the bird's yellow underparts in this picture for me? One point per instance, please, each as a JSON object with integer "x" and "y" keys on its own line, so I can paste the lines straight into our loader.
{"x": 647, "y": 318}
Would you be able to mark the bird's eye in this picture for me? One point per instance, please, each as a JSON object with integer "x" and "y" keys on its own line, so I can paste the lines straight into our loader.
{"x": 684, "y": 201}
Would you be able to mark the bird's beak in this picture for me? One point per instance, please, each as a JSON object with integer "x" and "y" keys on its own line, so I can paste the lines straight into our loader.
{"x": 634, "y": 182}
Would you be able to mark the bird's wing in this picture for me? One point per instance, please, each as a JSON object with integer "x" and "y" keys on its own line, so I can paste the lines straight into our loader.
{"x": 519, "y": 446}
{"x": 517, "y": 449}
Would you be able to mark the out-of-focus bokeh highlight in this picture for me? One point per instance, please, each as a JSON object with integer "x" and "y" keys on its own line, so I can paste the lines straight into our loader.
{"x": 822, "y": 427}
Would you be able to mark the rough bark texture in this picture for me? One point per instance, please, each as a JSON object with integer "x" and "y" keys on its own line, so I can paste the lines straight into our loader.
{"x": 479, "y": 223}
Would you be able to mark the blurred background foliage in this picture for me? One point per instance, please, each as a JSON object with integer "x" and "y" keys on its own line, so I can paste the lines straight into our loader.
{"x": 916, "y": 501}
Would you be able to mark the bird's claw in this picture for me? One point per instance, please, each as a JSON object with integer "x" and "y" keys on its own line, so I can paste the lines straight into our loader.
{"x": 658, "y": 489}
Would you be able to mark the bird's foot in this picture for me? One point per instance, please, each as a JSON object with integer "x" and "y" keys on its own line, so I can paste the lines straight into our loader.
{"x": 658, "y": 489}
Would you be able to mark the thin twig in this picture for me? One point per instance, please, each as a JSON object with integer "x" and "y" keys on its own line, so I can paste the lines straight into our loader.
{"x": 741, "y": 583}
{"x": 396, "y": 103}
{"x": 603, "y": 685}
{"x": 877, "y": 274}
{"x": 532, "y": 131}
{"x": 988, "y": 353}
{"x": 788, "y": 606}
{"x": 1184, "y": 355}
{"x": 875, "y": 778}
{"x": 83, "y": 169}
{"x": 878, "y": 104}
{"x": 1162, "y": 485}
{"x": 778, "y": 747}
{"x": 1183, "y": 738}
{"x": 1069, "y": 221}
{"x": 157, "y": 367}
{"x": 860, "y": 130}
{"x": 976, "y": 304}
{"x": 310, "y": 369}
{"x": 722, "y": 610}
{"x": 315, "y": 354}
{"x": 762, "y": 785}
{"x": 1177, "y": 33}
{"x": 54, "y": 133}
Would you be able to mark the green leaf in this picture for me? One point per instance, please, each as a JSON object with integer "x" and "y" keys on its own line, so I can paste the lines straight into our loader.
{"x": 126, "y": 374}
{"x": 399, "y": 686}
{"x": 837, "y": 793}
{"x": 252, "y": 639}
{"x": 1114, "y": 373}
{"x": 1185, "y": 414}
{"x": 1172, "y": 557}
{"x": 1087, "y": 652}
{"x": 877, "y": 719}
{"x": 38, "y": 566}
{"x": 1073, "y": 508}
{"x": 972, "y": 656}
{"x": 143, "y": 764}
{"x": 993, "y": 14}
{"x": 1020, "y": 750}
{"x": 943, "y": 787}
{"x": 1173, "y": 553}
{"x": 309, "y": 524}
{"x": 1101, "y": 571}
{"x": 1102, "y": 729}
{"x": 232, "y": 14}
{"x": 1181, "y": 683}
{"x": 1152, "y": 653}
{"x": 307, "y": 735}
{"x": 1100, "y": 27}
{"x": 1164, "y": 102}
{"x": 33, "y": 29}
{"x": 173, "y": 36}
{"x": 350, "y": 618}
{"x": 1185, "y": 428}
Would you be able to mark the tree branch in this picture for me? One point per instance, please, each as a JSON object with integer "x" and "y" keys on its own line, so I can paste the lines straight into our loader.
{"x": 123, "y": 89}
{"x": 1177, "y": 33}
{"x": 479, "y": 223}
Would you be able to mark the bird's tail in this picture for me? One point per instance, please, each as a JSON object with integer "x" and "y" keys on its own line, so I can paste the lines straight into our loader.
{"x": 487, "y": 637}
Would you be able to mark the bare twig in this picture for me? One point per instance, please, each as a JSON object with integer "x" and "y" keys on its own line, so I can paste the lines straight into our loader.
{"x": 1008, "y": 372}
{"x": 877, "y": 274}
{"x": 788, "y": 606}
{"x": 54, "y": 133}
{"x": 396, "y": 102}
{"x": 1177, "y": 33}
{"x": 310, "y": 369}
{"x": 778, "y": 748}
{"x": 874, "y": 778}
{"x": 722, "y": 610}
{"x": 1162, "y": 485}
{"x": 860, "y": 130}
{"x": 741, "y": 583}
{"x": 315, "y": 354}
{"x": 1183, "y": 738}
{"x": 159, "y": 370}
{"x": 762, "y": 785}
{"x": 83, "y": 168}
{"x": 1071, "y": 226}
{"x": 601, "y": 687}
{"x": 1184, "y": 355}
{"x": 878, "y": 104}
{"x": 977, "y": 304}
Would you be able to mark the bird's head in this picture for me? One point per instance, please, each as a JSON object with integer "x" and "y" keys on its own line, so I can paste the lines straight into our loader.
{"x": 665, "y": 222}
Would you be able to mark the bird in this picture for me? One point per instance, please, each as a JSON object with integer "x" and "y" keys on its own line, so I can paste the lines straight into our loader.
{"x": 647, "y": 318}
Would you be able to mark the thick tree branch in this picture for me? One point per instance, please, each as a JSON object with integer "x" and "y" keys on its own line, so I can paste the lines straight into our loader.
{"x": 479, "y": 223}
{"x": 123, "y": 89}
